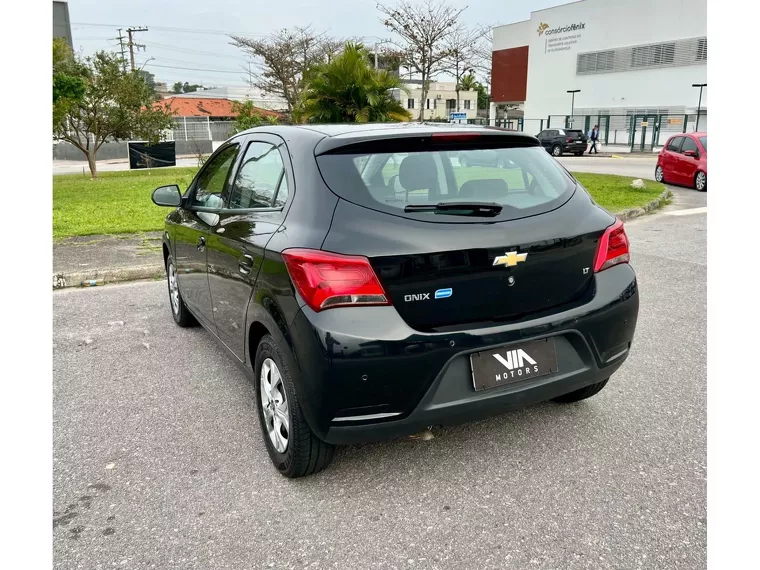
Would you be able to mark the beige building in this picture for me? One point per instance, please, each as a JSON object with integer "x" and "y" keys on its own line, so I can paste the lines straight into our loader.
{"x": 441, "y": 100}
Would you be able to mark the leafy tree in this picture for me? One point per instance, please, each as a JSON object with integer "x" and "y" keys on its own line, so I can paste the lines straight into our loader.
{"x": 148, "y": 78}
{"x": 180, "y": 87}
{"x": 116, "y": 104}
{"x": 349, "y": 90}
{"x": 423, "y": 31}
{"x": 483, "y": 98}
{"x": 68, "y": 79}
{"x": 461, "y": 59}
{"x": 285, "y": 58}
{"x": 190, "y": 87}
{"x": 250, "y": 116}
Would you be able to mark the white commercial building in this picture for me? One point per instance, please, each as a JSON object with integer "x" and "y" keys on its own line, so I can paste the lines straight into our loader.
{"x": 624, "y": 58}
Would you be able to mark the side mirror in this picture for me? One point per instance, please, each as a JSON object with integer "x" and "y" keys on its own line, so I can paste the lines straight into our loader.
{"x": 690, "y": 153}
{"x": 169, "y": 196}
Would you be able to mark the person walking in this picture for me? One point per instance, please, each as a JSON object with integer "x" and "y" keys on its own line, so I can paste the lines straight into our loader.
{"x": 593, "y": 137}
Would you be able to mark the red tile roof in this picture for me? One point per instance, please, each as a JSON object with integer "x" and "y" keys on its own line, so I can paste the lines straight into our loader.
{"x": 201, "y": 107}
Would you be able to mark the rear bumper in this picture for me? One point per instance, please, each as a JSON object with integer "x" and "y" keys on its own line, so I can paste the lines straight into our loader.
{"x": 364, "y": 375}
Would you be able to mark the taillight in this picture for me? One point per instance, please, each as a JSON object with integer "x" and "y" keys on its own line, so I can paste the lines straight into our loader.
{"x": 327, "y": 280}
{"x": 570, "y": 139}
{"x": 613, "y": 248}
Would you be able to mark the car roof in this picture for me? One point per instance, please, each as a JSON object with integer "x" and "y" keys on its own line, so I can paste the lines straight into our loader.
{"x": 362, "y": 130}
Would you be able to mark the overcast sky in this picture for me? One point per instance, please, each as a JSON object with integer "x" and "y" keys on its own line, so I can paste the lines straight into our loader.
{"x": 191, "y": 33}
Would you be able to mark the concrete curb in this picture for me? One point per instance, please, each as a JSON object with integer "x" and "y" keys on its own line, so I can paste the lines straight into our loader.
{"x": 154, "y": 271}
{"x": 655, "y": 204}
{"x": 103, "y": 276}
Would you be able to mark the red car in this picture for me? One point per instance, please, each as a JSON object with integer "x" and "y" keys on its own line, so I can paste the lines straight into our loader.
{"x": 683, "y": 160}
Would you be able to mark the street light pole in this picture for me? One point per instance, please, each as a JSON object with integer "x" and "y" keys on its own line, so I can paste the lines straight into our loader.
{"x": 572, "y": 103}
{"x": 699, "y": 105}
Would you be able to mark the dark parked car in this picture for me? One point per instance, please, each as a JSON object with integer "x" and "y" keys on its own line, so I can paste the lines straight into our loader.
{"x": 561, "y": 141}
{"x": 371, "y": 286}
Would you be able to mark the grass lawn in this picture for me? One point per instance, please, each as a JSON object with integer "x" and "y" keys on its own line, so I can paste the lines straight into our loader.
{"x": 614, "y": 193}
{"x": 114, "y": 203}
{"x": 119, "y": 202}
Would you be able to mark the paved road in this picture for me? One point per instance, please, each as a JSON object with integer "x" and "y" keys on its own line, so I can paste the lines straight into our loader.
{"x": 626, "y": 165}
{"x": 158, "y": 460}
{"x": 79, "y": 166}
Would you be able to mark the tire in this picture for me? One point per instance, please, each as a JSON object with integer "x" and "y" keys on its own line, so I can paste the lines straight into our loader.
{"x": 700, "y": 181}
{"x": 300, "y": 452}
{"x": 659, "y": 174}
{"x": 180, "y": 312}
{"x": 556, "y": 150}
{"x": 581, "y": 394}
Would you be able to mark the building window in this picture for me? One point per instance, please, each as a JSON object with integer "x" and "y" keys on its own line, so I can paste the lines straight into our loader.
{"x": 687, "y": 51}
{"x": 451, "y": 104}
{"x": 649, "y": 56}
{"x": 467, "y": 104}
{"x": 427, "y": 104}
{"x": 596, "y": 62}
{"x": 702, "y": 50}
{"x": 410, "y": 103}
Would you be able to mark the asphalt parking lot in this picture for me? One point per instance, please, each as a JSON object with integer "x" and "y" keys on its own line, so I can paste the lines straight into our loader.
{"x": 158, "y": 460}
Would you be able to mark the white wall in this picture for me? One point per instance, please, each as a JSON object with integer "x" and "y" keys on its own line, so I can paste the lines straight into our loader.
{"x": 512, "y": 35}
{"x": 609, "y": 24}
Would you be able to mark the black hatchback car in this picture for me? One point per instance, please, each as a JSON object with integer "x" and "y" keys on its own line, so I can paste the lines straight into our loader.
{"x": 371, "y": 286}
{"x": 560, "y": 141}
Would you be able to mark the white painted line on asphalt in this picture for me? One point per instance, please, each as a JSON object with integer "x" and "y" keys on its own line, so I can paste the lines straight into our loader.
{"x": 702, "y": 210}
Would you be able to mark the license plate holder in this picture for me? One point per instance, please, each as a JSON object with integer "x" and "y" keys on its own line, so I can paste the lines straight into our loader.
{"x": 505, "y": 365}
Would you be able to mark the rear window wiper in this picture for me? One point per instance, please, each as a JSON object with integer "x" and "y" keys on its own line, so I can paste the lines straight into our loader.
{"x": 481, "y": 209}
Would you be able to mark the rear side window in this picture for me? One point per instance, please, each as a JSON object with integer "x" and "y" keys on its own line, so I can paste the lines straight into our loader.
{"x": 689, "y": 144}
{"x": 525, "y": 180}
{"x": 260, "y": 181}
{"x": 675, "y": 144}
{"x": 703, "y": 140}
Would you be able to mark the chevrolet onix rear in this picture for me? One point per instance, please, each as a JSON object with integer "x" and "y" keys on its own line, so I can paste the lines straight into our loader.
{"x": 407, "y": 287}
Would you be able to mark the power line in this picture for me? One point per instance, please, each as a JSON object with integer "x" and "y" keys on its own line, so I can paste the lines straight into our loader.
{"x": 191, "y": 68}
{"x": 179, "y": 30}
{"x": 194, "y": 51}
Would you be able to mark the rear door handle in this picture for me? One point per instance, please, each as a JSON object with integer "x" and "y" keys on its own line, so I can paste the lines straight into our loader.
{"x": 245, "y": 264}
{"x": 201, "y": 243}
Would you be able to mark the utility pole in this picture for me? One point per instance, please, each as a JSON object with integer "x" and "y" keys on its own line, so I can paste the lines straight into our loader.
{"x": 122, "y": 48}
{"x": 132, "y": 45}
{"x": 699, "y": 105}
{"x": 572, "y": 104}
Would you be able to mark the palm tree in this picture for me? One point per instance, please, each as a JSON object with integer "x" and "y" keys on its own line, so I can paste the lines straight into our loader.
{"x": 349, "y": 90}
{"x": 468, "y": 82}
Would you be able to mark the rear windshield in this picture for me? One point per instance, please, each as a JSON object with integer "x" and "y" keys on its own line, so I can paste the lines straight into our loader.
{"x": 525, "y": 180}
{"x": 703, "y": 140}
{"x": 574, "y": 133}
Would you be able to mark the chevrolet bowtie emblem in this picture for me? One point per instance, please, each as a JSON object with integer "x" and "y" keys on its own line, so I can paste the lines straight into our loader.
{"x": 510, "y": 258}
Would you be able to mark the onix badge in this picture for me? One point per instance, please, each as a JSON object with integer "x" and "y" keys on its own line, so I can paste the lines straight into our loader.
{"x": 510, "y": 259}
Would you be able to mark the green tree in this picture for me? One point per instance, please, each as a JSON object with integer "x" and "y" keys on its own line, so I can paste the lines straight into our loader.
{"x": 69, "y": 79}
{"x": 116, "y": 104}
{"x": 148, "y": 78}
{"x": 349, "y": 90}
{"x": 484, "y": 99}
{"x": 177, "y": 87}
{"x": 250, "y": 116}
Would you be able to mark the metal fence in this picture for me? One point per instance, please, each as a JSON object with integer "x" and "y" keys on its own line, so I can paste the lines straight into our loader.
{"x": 200, "y": 129}
{"x": 640, "y": 132}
